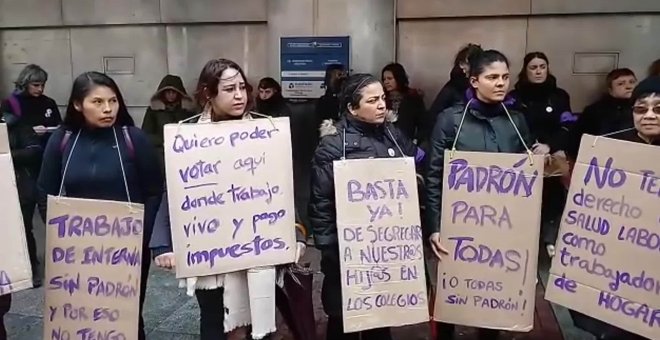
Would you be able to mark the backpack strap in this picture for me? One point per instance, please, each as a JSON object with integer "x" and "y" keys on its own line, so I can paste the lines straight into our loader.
{"x": 127, "y": 138}
{"x": 129, "y": 142}
{"x": 15, "y": 105}
{"x": 65, "y": 140}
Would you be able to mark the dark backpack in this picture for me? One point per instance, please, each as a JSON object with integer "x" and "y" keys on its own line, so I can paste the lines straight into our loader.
{"x": 15, "y": 105}
{"x": 124, "y": 130}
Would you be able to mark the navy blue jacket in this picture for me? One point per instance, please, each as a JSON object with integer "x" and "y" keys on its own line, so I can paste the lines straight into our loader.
{"x": 94, "y": 171}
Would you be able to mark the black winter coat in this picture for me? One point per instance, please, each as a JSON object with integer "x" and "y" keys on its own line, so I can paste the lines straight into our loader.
{"x": 486, "y": 128}
{"x": 362, "y": 141}
{"x": 606, "y": 115}
{"x": 547, "y": 110}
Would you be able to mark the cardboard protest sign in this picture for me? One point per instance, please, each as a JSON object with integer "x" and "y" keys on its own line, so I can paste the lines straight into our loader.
{"x": 491, "y": 215}
{"x": 380, "y": 243}
{"x": 230, "y": 191}
{"x": 608, "y": 248}
{"x": 15, "y": 269}
{"x": 93, "y": 266}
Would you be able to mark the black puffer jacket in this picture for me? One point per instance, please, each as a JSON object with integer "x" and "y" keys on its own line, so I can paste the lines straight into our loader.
{"x": 547, "y": 109}
{"x": 606, "y": 115}
{"x": 486, "y": 128}
{"x": 362, "y": 141}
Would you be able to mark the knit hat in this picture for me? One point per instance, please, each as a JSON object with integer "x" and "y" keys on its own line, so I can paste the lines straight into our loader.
{"x": 646, "y": 86}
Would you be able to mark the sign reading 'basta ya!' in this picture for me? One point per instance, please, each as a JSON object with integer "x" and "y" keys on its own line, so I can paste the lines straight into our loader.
{"x": 380, "y": 243}
{"x": 608, "y": 250}
{"x": 230, "y": 192}
{"x": 491, "y": 208}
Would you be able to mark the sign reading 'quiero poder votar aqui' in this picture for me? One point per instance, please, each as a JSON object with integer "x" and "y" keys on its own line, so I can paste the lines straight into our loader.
{"x": 230, "y": 194}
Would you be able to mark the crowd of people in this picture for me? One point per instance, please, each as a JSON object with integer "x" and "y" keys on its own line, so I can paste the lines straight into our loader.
{"x": 97, "y": 152}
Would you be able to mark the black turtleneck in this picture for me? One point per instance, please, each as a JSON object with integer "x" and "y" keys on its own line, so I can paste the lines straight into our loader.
{"x": 274, "y": 106}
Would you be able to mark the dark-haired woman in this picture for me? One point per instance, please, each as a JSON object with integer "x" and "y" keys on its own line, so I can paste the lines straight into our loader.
{"x": 365, "y": 130}
{"x": 222, "y": 91}
{"x": 108, "y": 158}
{"x": 645, "y": 117}
{"x": 453, "y": 91}
{"x": 406, "y": 104}
{"x": 269, "y": 99}
{"x": 547, "y": 110}
{"x": 488, "y": 125}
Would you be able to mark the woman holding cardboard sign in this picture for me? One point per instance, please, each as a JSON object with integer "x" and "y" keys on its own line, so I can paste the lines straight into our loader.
{"x": 487, "y": 125}
{"x": 364, "y": 131}
{"x": 222, "y": 91}
{"x": 646, "y": 121}
{"x": 99, "y": 154}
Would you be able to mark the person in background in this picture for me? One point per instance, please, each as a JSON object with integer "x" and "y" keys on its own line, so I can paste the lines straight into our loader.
{"x": 646, "y": 130}
{"x": 270, "y": 101}
{"x": 654, "y": 69}
{"x": 31, "y": 105}
{"x": 488, "y": 126}
{"x": 26, "y": 155}
{"x": 170, "y": 104}
{"x": 611, "y": 113}
{"x": 366, "y": 122}
{"x": 327, "y": 106}
{"x": 453, "y": 92}
{"x": 108, "y": 158}
{"x": 26, "y": 152}
{"x": 547, "y": 110}
{"x": 222, "y": 92}
{"x": 406, "y": 104}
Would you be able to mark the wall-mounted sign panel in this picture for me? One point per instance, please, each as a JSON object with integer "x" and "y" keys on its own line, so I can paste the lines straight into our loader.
{"x": 303, "y": 61}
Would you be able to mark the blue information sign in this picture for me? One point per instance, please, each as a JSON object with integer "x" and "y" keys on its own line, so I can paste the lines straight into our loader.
{"x": 303, "y": 61}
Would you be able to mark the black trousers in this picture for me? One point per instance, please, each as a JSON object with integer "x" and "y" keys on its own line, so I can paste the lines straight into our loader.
{"x": 27, "y": 210}
{"x": 335, "y": 331}
{"x": 144, "y": 276}
{"x": 554, "y": 200}
{"x": 332, "y": 302}
{"x": 5, "y": 305}
{"x": 211, "y": 314}
{"x": 446, "y": 332}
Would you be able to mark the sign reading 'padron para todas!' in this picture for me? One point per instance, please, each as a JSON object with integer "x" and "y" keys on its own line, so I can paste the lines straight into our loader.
{"x": 491, "y": 208}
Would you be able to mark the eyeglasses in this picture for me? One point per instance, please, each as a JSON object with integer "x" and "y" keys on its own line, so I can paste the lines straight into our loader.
{"x": 640, "y": 110}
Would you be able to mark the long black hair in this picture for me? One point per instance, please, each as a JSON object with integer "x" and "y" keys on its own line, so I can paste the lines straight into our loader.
{"x": 351, "y": 90}
{"x": 400, "y": 76}
{"x": 83, "y": 84}
{"x": 522, "y": 76}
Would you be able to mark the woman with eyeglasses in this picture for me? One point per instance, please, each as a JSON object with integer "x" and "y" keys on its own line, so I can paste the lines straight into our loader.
{"x": 646, "y": 130}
